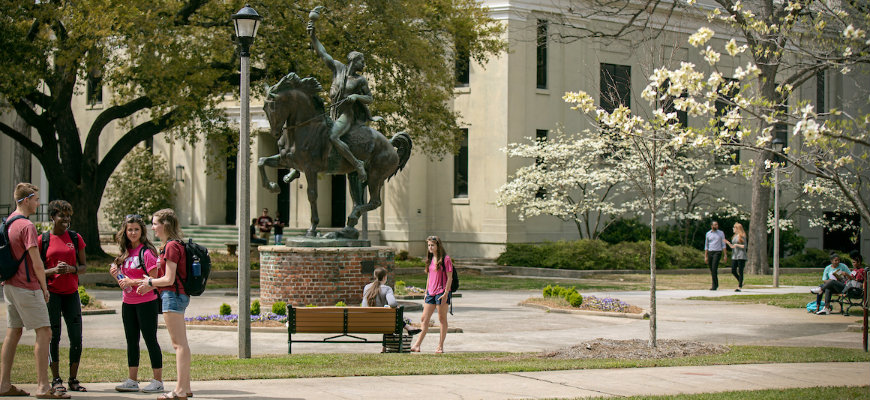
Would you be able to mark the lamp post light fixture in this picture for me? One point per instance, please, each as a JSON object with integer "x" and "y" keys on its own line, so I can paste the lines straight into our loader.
{"x": 246, "y": 23}
{"x": 778, "y": 145}
{"x": 179, "y": 173}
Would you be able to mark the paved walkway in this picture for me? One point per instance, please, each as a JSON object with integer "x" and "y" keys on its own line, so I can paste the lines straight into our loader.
{"x": 492, "y": 321}
{"x": 525, "y": 385}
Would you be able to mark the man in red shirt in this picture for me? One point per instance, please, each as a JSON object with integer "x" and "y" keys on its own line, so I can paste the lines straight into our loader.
{"x": 26, "y": 296}
{"x": 265, "y": 222}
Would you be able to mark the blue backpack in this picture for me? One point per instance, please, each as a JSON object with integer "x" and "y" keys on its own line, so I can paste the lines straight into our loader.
{"x": 812, "y": 307}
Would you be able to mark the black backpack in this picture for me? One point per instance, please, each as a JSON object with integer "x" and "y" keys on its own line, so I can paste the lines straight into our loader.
{"x": 46, "y": 238}
{"x": 194, "y": 285}
{"x": 8, "y": 263}
{"x": 454, "y": 286}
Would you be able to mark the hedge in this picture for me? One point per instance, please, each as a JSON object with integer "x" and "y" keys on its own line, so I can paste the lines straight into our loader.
{"x": 588, "y": 254}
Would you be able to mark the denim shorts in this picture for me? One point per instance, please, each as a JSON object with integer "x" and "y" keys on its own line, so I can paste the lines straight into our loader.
{"x": 174, "y": 302}
{"x": 430, "y": 299}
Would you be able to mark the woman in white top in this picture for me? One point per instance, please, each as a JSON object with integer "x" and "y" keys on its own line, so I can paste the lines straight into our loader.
{"x": 377, "y": 293}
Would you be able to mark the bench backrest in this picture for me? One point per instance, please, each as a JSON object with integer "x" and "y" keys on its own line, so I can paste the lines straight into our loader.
{"x": 344, "y": 319}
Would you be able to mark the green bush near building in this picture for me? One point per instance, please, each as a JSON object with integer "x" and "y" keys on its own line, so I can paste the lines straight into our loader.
{"x": 588, "y": 254}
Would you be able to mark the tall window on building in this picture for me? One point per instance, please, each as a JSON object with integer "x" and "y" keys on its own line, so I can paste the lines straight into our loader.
{"x": 724, "y": 105}
{"x": 460, "y": 168}
{"x": 820, "y": 92}
{"x": 615, "y": 86}
{"x": 842, "y": 231}
{"x": 463, "y": 66}
{"x": 94, "y": 90}
{"x": 542, "y": 54}
{"x": 540, "y": 136}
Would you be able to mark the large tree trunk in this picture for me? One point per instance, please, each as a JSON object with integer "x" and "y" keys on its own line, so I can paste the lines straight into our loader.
{"x": 21, "y": 170}
{"x": 757, "y": 242}
{"x": 85, "y": 199}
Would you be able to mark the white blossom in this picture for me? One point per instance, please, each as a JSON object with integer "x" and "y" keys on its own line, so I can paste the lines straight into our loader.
{"x": 701, "y": 36}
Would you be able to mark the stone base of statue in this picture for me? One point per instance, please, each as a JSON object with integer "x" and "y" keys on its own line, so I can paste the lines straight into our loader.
{"x": 320, "y": 272}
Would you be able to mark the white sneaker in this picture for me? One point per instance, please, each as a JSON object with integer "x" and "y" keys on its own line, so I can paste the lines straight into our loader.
{"x": 823, "y": 311}
{"x": 154, "y": 387}
{"x": 816, "y": 290}
{"x": 128, "y": 386}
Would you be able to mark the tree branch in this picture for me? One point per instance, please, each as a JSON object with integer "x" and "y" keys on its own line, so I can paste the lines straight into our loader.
{"x": 127, "y": 142}
{"x": 107, "y": 116}
{"x": 19, "y": 137}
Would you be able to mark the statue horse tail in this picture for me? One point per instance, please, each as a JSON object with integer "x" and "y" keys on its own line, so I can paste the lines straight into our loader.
{"x": 402, "y": 142}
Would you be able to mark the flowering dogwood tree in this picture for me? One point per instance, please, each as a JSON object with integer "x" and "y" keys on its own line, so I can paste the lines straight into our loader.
{"x": 564, "y": 182}
{"x": 643, "y": 154}
{"x": 789, "y": 43}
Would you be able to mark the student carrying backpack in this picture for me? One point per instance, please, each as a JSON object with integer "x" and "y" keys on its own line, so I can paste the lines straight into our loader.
{"x": 8, "y": 263}
{"x": 198, "y": 267}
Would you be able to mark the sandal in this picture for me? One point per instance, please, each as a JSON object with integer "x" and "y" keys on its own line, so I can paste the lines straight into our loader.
{"x": 439, "y": 351}
{"x": 57, "y": 385}
{"x": 52, "y": 394}
{"x": 14, "y": 391}
{"x": 74, "y": 385}
{"x": 171, "y": 396}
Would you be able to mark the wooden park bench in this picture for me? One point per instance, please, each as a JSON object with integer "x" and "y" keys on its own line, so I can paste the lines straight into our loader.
{"x": 345, "y": 321}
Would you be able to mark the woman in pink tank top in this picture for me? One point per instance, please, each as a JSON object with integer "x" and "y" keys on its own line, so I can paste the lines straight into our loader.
{"x": 439, "y": 270}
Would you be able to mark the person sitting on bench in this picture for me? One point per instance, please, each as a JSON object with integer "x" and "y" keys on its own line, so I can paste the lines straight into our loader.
{"x": 835, "y": 276}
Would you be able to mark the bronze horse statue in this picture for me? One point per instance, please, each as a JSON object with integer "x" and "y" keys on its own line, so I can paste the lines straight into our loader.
{"x": 299, "y": 120}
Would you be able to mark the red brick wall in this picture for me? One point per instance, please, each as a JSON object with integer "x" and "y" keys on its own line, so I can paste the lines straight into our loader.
{"x": 321, "y": 276}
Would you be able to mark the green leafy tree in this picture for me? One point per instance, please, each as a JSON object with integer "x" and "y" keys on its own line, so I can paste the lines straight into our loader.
{"x": 142, "y": 185}
{"x": 167, "y": 65}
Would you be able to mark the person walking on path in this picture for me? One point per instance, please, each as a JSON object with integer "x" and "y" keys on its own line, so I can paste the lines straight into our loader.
{"x": 172, "y": 266}
{"x": 835, "y": 277}
{"x": 63, "y": 253}
{"x": 738, "y": 257}
{"x": 714, "y": 252}
{"x": 26, "y": 295}
{"x": 439, "y": 269}
{"x": 265, "y": 223}
{"x": 137, "y": 261}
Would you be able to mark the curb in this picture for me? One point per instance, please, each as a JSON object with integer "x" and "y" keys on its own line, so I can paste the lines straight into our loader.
{"x": 235, "y": 328}
{"x": 99, "y": 312}
{"x": 421, "y": 297}
{"x": 642, "y": 315}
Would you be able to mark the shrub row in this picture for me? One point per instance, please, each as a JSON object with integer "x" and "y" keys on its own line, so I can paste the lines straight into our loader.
{"x": 571, "y": 295}
{"x": 588, "y": 254}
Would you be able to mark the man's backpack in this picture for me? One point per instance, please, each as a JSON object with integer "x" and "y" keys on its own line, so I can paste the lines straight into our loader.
{"x": 195, "y": 280}
{"x": 8, "y": 263}
{"x": 46, "y": 238}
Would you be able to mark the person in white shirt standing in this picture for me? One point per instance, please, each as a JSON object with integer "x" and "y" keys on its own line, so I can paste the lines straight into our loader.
{"x": 715, "y": 251}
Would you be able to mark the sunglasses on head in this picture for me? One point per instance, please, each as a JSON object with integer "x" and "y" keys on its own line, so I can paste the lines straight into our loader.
{"x": 432, "y": 238}
{"x": 133, "y": 217}
{"x": 25, "y": 198}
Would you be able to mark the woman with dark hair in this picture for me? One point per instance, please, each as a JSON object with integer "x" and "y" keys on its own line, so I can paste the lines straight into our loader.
{"x": 439, "y": 269}
{"x": 835, "y": 277}
{"x": 138, "y": 260}
{"x": 63, "y": 252}
{"x": 172, "y": 264}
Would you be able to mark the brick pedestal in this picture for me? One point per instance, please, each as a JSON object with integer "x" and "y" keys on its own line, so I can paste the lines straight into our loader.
{"x": 321, "y": 276}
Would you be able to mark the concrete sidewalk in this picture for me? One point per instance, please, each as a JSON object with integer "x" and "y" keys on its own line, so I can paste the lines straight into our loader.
{"x": 525, "y": 385}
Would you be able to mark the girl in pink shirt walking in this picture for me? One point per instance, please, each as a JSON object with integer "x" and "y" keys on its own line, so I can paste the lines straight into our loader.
{"x": 439, "y": 269}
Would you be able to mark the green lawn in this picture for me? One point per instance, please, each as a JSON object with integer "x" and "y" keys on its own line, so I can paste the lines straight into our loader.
{"x": 789, "y": 300}
{"x": 109, "y": 365}
{"x": 481, "y": 282}
{"x": 852, "y": 393}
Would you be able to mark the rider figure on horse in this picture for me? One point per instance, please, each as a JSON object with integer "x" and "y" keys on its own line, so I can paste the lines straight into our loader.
{"x": 349, "y": 93}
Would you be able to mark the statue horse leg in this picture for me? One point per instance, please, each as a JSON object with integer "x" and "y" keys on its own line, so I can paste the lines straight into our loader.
{"x": 311, "y": 178}
{"x": 273, "y": 162}
{"x": 374, "y": 202}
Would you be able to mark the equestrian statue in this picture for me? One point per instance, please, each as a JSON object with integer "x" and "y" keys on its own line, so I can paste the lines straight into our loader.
{"x": 314, "y": 138}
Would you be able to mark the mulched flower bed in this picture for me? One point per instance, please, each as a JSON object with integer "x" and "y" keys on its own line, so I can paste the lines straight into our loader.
{"x": 590, "y": 303}
{"x": 635, "y": 349}
{"x": 262, "y": 320}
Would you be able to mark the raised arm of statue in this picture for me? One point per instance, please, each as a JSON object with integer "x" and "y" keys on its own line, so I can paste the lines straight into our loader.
{"x": 315, "y": 43}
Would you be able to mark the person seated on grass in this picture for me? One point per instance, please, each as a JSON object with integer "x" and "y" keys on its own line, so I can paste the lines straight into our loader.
{"x": 835, "y": 277}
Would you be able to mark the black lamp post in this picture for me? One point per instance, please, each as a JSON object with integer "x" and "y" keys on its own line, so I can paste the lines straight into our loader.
{"x": 246, "y": 22}
{"x": 778, "y": 144}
